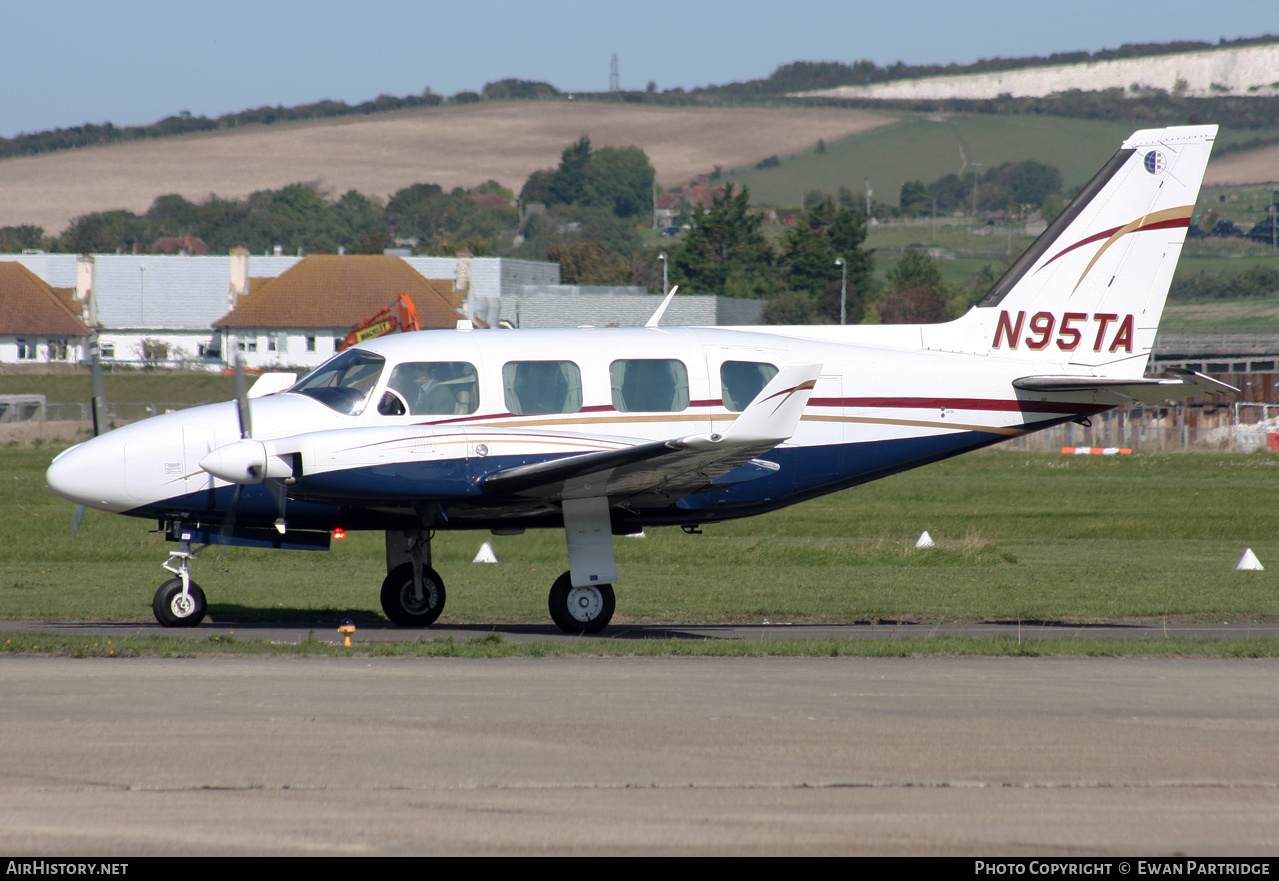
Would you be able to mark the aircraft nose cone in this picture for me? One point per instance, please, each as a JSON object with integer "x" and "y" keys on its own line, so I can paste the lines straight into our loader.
{"x": 86, "y": 474}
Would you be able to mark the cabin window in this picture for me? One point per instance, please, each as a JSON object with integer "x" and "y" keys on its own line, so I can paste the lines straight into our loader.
{"x": 343, "y": 382}
{"x": 741, "y": 381}
{"x": 649, "y": 385}
{"x": 432, "y": 388}
{"x": 542, "y": 387}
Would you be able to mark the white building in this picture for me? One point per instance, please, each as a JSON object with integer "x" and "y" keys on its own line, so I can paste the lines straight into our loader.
{"x": 161, "y": 309}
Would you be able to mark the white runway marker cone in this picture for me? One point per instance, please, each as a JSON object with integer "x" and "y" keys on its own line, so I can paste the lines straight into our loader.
{"x": 925, "y": 540}
{"x": 486, "y": 554}
{"x": 1249, "y": 561}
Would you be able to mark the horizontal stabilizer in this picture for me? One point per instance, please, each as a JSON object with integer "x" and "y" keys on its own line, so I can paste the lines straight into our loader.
{"x": 1183, "y": 384}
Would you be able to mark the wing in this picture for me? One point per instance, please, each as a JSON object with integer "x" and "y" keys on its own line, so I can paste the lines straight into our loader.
{"x": 1183, "y": 384}
{"x": 673, "y": 468}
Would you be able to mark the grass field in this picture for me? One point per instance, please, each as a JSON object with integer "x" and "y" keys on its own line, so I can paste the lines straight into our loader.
{"x": 1021, "y": 537}
{"x": 926, "y": 148}
{"x": 167, "y": 386}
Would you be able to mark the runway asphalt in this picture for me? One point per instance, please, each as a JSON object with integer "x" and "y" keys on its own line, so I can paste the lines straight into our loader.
{"x": 679, "y": 756}
{"x": 327, "y": 631}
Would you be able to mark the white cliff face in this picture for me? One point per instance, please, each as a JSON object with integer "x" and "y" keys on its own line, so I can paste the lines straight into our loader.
{"x": 1251, "y": 71}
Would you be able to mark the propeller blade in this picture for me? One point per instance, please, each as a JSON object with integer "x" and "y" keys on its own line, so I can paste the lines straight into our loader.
{"x": 228, "y": 525}
{"x": 281, "y": 495}
{"x": 75, "y": 520}
{"x": 242, "y": 399}
{"x": 98, "y": 401}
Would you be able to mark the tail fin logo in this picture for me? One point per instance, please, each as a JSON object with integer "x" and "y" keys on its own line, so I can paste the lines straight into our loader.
{"x": 1156, "y": 162}
{"x": 1169, "y": 218}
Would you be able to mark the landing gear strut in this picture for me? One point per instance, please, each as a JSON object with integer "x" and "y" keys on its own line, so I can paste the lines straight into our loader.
{"x": 413, "y": 592}
{"x": 179, "y": 602}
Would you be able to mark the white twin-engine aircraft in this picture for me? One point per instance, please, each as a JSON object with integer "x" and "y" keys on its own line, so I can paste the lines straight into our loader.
{"x": 606, "y": 431}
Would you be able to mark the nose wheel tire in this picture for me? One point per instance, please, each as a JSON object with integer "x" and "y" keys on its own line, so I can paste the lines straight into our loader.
{"x": 585, "y": 609}
{"x": 400, "y": 604}
{"x": 173, "y": 609}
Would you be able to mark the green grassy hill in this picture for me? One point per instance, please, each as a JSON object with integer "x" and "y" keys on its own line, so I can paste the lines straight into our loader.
{"x": 920, "y": 147}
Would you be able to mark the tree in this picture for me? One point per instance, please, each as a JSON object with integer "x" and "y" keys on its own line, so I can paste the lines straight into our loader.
{"x": 1051, "y": 207}
{"x": 356, "y": 220}
{"x": 789, "y": 307}
{"x": 913, "y": 306}
{"x": 726, "y": 238}
{"x": 914, "y": 197}
{"x": 583, "y": 261}
{"x": 568, "y": 184}
{"x": 104, "y": 231}
{"x": 915, "y": 269}
{"x": 538, "y": 187}
{"x": 15, "y": 239}
{"x": 916, "y": 295}
{"x": 809, "y": 250}
{"x": 621, "y": 180}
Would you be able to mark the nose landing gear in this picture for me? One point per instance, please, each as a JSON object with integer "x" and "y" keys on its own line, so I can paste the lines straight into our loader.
{"x": 179, "y": 602}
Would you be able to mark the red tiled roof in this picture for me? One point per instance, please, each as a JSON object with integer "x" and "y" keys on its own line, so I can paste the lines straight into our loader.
{"x": 174, "y": 244}
{"x": 29, "y": 306}
{"x": 327, "y": 291}
{"x": 489, "y": 200}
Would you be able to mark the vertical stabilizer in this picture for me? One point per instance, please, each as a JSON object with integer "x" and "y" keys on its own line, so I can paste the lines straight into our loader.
{"x": 1088, "y": 294}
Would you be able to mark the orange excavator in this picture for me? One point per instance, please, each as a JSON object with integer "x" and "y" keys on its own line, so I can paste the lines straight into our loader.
{"x": 400, "y": 317}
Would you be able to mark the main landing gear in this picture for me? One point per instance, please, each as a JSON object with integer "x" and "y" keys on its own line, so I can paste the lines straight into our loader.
{"x": 580, "y": 601}
{"x": 179, "y": 602}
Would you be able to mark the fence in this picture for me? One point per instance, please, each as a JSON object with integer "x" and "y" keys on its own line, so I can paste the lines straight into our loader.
{"x": 124, "y": 411}
{"x": 1167, "y": 428}
{"x": 1198, "y": 426}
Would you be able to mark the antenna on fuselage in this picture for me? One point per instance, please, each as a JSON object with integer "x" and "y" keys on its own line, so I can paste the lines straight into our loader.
{"x": 657, "y": 316}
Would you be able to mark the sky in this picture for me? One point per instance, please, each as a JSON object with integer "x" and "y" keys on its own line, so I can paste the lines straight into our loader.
{"x": 135, "y": 62}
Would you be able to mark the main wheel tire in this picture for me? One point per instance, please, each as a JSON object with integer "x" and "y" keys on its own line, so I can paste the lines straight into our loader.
{"x": 172, "y": 609}
{"x": 581, "y": 609}
{"x": 398, "y": 602}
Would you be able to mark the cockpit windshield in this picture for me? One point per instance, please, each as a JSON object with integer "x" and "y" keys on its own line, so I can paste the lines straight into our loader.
{"x": 343, "y": 382}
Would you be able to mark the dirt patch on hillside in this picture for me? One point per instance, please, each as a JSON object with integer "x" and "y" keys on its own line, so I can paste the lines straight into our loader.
{"x": 1240, "y": 169}
{"x": 450, "y": 146}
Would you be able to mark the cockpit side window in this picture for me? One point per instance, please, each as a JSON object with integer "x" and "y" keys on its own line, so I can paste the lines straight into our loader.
{"x": 343, "y": 382}
{"x": 741, "y": 381}
{"x": 432, "y": 388}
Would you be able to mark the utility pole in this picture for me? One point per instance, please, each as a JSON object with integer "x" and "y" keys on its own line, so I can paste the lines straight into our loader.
{"x": 614, "y": 82}
{"x": 665, "y": 279}
{"x": 843, "y": 288}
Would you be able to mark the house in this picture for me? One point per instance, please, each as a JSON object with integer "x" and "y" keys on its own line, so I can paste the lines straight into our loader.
{"x": 38, "y": 324}
{"x": 698, "y": 197}
{"x": 148, "y": 308}
{"x": 299, "y": 317}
